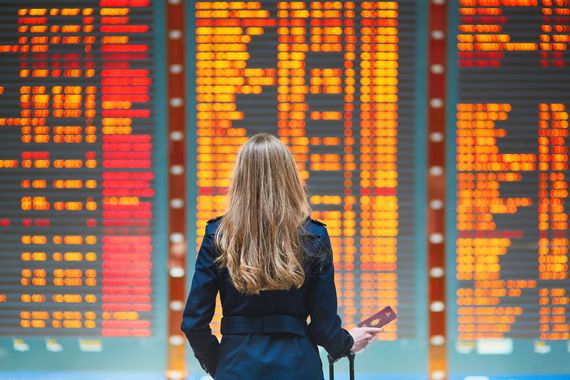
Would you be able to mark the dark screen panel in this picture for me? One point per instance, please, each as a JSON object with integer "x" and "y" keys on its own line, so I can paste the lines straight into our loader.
{"x": 329, "y": 78}
{"x": 511, "y": 288}
{"x": 335, "y": 81}
{"x": 79, "y": 165}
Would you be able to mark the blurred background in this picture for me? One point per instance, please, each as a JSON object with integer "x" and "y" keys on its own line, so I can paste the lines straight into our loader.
{"x": 433, "y": 136}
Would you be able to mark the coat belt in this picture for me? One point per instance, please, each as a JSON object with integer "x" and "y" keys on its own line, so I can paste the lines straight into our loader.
{"x": 265, "y": 324}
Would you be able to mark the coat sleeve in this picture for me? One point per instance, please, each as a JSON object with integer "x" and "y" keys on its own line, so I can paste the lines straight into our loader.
{"x": 325, "y": 327}
{"x": 200, "y": 307}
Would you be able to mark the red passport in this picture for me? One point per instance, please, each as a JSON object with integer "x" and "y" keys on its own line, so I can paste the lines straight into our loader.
{"x": 380, "y": 319}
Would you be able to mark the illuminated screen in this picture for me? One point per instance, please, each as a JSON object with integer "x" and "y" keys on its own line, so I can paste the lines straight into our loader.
{"x": 79, "y": 218}
{"x": 83, "y": 202}
{"x": 508, "y": 205}
{"x": 336, "y": 81}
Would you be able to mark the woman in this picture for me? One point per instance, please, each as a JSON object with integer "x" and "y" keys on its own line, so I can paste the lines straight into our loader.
{"x": 273, "y": 267}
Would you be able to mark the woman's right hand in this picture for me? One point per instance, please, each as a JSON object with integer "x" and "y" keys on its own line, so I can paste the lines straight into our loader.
{"x": 363, "y": 336}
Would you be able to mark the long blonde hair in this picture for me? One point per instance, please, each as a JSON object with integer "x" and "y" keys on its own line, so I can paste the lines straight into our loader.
{"x": 259, "y": 236}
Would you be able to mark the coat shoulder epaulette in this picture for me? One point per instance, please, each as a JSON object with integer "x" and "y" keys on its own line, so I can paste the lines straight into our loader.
{"x": 318, "y": 222}
{"x": 214, "y": 219}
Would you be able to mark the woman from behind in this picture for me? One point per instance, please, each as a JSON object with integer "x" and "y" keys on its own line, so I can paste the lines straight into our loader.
{"x": 273, "y": 268}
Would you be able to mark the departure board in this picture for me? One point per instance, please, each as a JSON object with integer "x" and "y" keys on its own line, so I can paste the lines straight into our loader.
{"x": 78, "y": 165}
{"x": 510, "y": 165}
{"x": 335, "y": 81}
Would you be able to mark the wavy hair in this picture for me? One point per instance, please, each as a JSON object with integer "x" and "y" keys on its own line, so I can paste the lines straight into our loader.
{"x": 259, "y": 235}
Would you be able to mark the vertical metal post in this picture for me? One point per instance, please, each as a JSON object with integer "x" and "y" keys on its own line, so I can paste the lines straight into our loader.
{"x": 436, "y": 167}
{"x": 176, "y": 188}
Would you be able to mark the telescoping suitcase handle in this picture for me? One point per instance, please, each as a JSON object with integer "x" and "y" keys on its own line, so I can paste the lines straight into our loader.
{"x": 350, "y": 366}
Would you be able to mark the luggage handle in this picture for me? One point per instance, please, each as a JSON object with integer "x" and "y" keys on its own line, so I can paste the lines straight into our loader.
{"x": 350, "y": 365}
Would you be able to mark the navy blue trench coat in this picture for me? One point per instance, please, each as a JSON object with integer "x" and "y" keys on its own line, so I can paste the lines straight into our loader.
{"x": 266, "y": 336}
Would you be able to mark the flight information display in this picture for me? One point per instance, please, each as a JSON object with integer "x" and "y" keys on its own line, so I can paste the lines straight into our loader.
{"x": 510, "y": 162}
{"x": 83, "y": 155}
{"x": 335, "y": 81}
{"x": 78, "y": 162}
